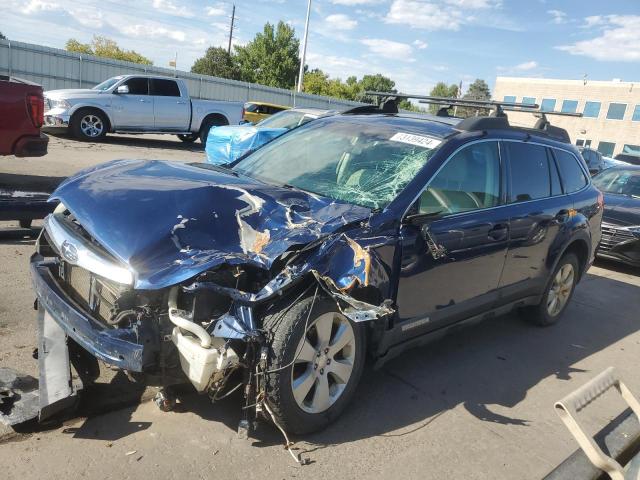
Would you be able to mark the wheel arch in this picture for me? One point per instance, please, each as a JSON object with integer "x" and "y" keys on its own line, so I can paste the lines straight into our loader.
{"x": 214, "y": 116}
{"x": 579, "y": 246}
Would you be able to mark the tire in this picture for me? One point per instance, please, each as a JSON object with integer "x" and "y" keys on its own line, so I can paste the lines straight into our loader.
{"x": 545, "y": 314}
{"x": 206, "y": 126}
{"x": 189, "y": 138}
{"x": 25, "y": 223}
{"x": 287, "y": 327}
{"x": 89, "y": 125}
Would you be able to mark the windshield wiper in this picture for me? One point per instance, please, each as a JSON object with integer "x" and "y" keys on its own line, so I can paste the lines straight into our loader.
{"x": 218, "y": 168}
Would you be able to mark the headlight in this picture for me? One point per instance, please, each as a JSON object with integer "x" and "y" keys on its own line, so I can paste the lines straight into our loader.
{"x": 59, "y": 103}
{"x": 635, "y": 229}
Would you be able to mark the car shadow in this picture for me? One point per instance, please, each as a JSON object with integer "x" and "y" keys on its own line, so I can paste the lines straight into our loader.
{"x": 617, "y": 266}
{"x": 142, "y": 141}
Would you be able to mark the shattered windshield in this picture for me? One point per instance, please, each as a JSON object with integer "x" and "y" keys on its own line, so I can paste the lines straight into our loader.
{"x": 366, "y": 164}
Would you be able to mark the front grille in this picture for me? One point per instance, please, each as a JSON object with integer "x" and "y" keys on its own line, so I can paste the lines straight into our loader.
{"x": 94, "y": 293}
{"x": 612, "y": 236}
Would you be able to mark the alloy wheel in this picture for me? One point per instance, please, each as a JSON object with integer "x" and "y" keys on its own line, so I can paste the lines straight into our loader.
{"x": 91, "y": 125}
{"x": 560, "y": 289}
{"x": 324, "y": 362}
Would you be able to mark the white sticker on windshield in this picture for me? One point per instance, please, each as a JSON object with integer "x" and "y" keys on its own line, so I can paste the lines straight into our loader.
{"x": 419, "y": 140}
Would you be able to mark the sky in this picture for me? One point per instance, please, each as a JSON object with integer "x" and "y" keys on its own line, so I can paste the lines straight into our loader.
{"x": 414, "y": 42}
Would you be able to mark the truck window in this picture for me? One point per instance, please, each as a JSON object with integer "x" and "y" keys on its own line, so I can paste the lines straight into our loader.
{"x": 164, "y": 88}
{"x": 138, "y": 86}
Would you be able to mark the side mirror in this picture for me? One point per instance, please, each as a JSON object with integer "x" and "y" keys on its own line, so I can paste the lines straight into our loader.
{"x": 420, "y": 219}
{"x": 122, "y": 90}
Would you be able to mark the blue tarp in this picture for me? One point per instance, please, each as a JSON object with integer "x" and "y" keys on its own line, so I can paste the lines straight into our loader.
{"x": 227, "y": 144}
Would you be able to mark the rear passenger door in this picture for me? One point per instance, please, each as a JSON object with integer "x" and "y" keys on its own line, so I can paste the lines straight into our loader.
{"x": 171, "y": 111}
{"x": 538, "y": 210}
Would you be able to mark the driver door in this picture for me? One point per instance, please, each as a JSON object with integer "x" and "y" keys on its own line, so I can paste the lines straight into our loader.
{"x": 454, "y": 242}
{"x": 133, "y": 110}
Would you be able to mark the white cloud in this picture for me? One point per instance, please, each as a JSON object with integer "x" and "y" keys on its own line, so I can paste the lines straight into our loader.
{"x": 153, "y": 31}
{"x": 530, "y": 65}
{"x": 87, "y": 17}
{"x": 619, "y": 39}
{"x": 354, "y": 2}
{"x": 170, "y": 8}
{"x": 389, "y": 49}
{"x": 217, "y": 10}
{"x": 340, "y": 21}
{"x": 558, "y": 16}
{"x": 445, "y": 14}
{"x": 420, "y": 44}
{"x": 37, "y": 6}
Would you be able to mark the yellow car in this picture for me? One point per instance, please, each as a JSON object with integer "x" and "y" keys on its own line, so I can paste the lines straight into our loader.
{"x": 256, "y": 111}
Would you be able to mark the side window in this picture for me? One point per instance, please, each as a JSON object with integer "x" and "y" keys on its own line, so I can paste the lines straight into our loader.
{"x": 530, "y": 171}
{"x": 138, "y": 86}
{"x": 164, "y": 88}
{"x": 470, "y": 180}
{"x": 556, "y": 185}
{"x": 573, "y": 177}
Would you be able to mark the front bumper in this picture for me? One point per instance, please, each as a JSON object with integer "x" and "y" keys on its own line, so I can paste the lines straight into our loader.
{"x": 118, "y": 347}
{"x": 55, "y": 121}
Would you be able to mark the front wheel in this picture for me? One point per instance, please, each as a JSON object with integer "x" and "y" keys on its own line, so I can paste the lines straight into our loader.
{"x": 89, "y": 125}
{"x": 312, "y": 374}
{"x": 557, "y": 294}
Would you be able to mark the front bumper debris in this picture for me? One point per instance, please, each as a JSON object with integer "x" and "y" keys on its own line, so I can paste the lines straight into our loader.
{"x": 116, "y": 347}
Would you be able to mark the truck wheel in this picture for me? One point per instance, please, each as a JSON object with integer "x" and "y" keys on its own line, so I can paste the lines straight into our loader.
{"x": 312, "y": 375}
{"x": 215, "y": 121}
{"x": 89, "y": 125}
{"x": 189, "y": 138}
{"x": 557, "y": 294}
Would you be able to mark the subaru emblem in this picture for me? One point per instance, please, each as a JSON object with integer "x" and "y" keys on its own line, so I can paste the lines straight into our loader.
{"x": 69, "y": 251}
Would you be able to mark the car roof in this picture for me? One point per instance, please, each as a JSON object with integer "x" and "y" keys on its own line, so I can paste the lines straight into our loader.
{"x": 411, "y": 123}
{"x": 145, "y": 75}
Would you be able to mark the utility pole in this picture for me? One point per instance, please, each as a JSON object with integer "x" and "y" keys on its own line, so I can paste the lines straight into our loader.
{"x": 233, "y": 17}
{"x": 304, "y": 48}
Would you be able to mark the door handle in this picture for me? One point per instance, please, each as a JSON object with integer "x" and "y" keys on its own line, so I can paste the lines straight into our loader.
{"x": 142, "y": 100}
{"x": 180, "y": 103}
{"x": 498, "y": 232}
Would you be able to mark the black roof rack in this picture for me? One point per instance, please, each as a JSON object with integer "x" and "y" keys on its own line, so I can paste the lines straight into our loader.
{"x": 497, "y": 119}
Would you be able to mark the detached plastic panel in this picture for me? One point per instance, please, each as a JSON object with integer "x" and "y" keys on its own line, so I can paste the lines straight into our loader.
{"x": 227, "y": 144}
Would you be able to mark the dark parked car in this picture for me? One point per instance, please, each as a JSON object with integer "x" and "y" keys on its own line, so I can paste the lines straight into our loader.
{"x": 629, "y": 158}
{"x": 621, "y": 220}
{"x": 362, "y": 233}
{"x": 594, "y": 160}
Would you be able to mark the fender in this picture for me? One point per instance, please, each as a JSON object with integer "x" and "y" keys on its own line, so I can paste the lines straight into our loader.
{"x": 198, "y": 116}
{"x": 89, "y": 104}
{"x": 577, "y": 229}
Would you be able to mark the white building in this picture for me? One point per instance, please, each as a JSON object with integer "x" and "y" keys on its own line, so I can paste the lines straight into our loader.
{"x": 610, "y": 119}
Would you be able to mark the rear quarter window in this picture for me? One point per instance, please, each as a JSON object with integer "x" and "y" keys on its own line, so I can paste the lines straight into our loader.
{"x": 164, "y": 88}
{"x": 572, "y": 174}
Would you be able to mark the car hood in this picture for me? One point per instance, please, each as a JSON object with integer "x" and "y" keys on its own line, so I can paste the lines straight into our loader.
{"x": 621, "y": 210}
{"x": 170, "y": 221}
{"x": 68, "y": 92}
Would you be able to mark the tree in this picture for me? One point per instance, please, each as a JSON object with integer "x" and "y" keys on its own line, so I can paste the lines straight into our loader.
{"x": 218, "y": 63}
{"x": 2, "y": 37}
{"x": 271, "y": 58}
{"x": 441, "y": 89}
{"x": 374, "y": 83}
{"x": 478, "y": 90}
{"x": 105, "y": 47}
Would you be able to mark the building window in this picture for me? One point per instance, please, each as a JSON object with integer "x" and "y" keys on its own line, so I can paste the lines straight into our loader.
{"x": 580, "y": 143}
{"x": 636, "y": 114}
{"x": 591, "y": 109}
{"x": 510, "y": 98}
{"x": 569, "y": 106}
{"x": 616, "y": 111}
{"x": 606, "y": 148}
{"x": 529, "y": 100}
{"x": 548, "y": 104}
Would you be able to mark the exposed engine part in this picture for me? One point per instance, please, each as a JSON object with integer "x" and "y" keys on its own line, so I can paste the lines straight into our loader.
{"x": 180, "y": 320}
{"x": 165, "y": 400}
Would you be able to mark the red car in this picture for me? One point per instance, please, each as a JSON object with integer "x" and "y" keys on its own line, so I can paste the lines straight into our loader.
{"x": 21, "y": 116}
{"x": 23, "y": 197}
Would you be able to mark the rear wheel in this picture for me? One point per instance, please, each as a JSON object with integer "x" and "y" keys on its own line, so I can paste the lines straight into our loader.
{"x": 313, "y": 373}
{"x": 215, "y": 121}
{"x": 89, "y": 125}
{"x": 192, "y": 137}
{"x": 557, "y": 294}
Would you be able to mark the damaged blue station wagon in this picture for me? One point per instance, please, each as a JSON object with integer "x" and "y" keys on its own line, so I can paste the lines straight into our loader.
{"x": 363, "y": 233}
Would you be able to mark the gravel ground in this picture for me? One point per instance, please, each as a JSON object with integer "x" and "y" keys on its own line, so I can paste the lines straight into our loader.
{"x": 475, "y": 405}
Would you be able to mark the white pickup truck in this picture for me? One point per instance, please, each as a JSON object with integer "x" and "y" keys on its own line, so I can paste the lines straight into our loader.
{"x": 137, "y": 104}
